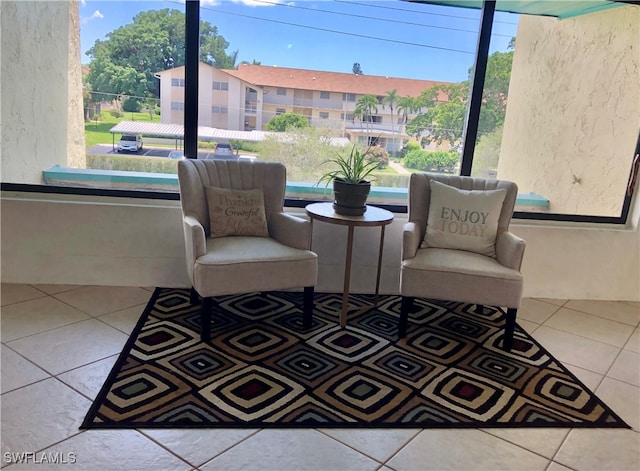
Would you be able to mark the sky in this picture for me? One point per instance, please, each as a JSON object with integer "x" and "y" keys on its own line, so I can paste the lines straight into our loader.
{"x": 387, "y": 38}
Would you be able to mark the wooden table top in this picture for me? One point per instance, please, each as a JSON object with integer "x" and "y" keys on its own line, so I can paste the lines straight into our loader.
{"x": 373, "y": 216}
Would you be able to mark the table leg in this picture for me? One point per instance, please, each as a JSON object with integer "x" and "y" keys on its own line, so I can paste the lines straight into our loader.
{"x": 347, "y": 278}
{"x": 375, "y": 299}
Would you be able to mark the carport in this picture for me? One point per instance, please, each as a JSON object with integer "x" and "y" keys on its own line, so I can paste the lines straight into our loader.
{"x": 176, "y": 131}
{"x": 167, "y": 131}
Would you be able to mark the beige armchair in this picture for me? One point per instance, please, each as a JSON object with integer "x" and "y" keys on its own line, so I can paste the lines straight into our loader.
{"x": 232, "y": 264}
{"x": 461, "y": 275}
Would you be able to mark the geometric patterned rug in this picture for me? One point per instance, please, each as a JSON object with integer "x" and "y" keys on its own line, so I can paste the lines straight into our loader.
{"x": 262, "y": 369}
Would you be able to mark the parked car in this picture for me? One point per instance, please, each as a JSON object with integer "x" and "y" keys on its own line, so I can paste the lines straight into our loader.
{"x": 224, "y": 151}
{"x": 176, "y": 154}
{"x": 130, "y": 143}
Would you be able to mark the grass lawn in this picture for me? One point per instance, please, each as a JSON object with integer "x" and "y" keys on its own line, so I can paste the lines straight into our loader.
{"x": 97, "y": 132}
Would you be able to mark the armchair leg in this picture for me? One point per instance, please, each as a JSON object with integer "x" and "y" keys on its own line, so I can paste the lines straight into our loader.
{"x": 479, "y": 308}
{"x": 405, "y": 307}
{"x": 307, "y": 315}
{"x": 509, "y": 328}
{"x": 193, "y": 296}
{"x": 205, "y": 319}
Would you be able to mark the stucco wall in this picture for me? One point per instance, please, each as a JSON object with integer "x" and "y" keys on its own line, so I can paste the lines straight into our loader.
{"x": 34, "y": 71}
{"x": 109, "y": 241}
{"x": 76, "y": 144}
{"x": 574, "y": 110}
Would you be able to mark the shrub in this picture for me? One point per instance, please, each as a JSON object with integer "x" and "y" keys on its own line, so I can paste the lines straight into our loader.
{"x": 379, "y": 155}
{"x": 207, "y": 144}
{"x": 431, "y": 161}
{"x": 131, "y": 163}
{"x": 131, "y": 105}
{"x": 408, "y": 147}
{"x": 116, "y": 113}
{"x": 286, "y": 122}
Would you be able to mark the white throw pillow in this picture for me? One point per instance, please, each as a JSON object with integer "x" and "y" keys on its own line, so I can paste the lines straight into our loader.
{"x": 236, "y": 212}
{"x": 463, "y": 219}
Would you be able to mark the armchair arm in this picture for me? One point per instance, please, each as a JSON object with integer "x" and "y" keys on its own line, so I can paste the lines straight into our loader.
{"x": 194, "y": 240}
{"x": 290, "y": 230}
{"x": 510, "y": 250}
{"x": 410, "y": 240}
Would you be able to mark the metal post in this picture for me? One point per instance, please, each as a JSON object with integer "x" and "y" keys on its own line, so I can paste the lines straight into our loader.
{"x": 192, "y": 55}
{"x": 470, "y": 131}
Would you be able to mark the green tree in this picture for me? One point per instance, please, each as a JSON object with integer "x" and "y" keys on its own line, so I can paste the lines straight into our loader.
{"x": 286, "y": 122}
{"x": 126, "y": 62}
{"x": 366, "y": 107}
{"x": 445, "y": 107}
{"x": 391, "y": 100}
{"x": 357, "y": 69}
{"x": 406, "y": 105}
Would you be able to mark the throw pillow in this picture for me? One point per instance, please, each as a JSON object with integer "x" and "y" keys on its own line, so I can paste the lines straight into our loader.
{"x": 236, "y": 212}
{"x": 463, "y": 219}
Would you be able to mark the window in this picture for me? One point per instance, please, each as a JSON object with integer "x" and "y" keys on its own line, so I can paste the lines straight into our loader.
{"x": 349, "y": 97}
{"x": 221, "y": 85}
{"x": 553, "y": 143}
{"x": 536, "y": 129}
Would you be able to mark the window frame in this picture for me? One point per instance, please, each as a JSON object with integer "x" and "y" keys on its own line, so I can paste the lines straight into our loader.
{"x": 190, "y": 108}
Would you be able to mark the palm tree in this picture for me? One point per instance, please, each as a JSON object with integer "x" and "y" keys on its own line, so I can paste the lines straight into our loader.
{"x": 391, "y": 99}
{"x": 366, "y": 107}
{"x": 405, "y": 106}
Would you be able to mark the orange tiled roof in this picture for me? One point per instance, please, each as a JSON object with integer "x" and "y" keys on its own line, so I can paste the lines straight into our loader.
{"x": 302, "y": 79}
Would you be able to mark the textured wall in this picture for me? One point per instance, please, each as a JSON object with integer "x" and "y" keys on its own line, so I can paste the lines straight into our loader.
{"x": 76, "y": 146}
{"x": 574, "y": 109}
{"x": 34, "y": 75}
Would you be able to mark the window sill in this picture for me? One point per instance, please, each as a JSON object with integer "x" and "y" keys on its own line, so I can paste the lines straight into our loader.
{"x": 147, "y": 181}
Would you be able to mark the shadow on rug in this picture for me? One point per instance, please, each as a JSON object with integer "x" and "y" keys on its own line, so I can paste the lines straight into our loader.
{"x": 262, "y": 369}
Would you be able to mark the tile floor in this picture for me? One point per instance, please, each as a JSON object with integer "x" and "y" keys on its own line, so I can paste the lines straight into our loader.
{"x": 60, "y": 342}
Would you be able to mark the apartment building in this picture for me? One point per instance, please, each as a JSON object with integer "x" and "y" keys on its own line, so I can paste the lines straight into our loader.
{"x": 247, "y": 98}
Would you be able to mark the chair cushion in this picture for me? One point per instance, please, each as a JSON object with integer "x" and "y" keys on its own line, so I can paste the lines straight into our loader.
{"x": 459, "y": 275}
{"x": 463, "y": 219}
{"x": 236, "y": 212}
{"x": 244, "y": 264}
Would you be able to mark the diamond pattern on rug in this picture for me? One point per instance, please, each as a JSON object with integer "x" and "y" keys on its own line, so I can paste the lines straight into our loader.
{"x": 263, "y": 369}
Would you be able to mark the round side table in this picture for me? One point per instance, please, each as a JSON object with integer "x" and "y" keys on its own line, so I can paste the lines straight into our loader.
{"x": 373, "y": 217}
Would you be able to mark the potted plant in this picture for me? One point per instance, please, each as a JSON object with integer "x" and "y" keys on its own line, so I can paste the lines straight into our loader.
{"x": 350, "y": 185}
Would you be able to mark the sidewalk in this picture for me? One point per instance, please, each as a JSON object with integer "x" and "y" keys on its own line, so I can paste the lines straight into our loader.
{"x": 399, "y": 168}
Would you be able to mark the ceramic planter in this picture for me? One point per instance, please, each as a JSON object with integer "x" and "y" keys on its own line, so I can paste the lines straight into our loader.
{"x": 350, "y": 198}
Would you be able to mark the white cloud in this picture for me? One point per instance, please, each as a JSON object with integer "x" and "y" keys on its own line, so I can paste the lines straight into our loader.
{"x": 258, "y": 3}
{"x": 250, "y": 3}
{"x": 96, "y": 16}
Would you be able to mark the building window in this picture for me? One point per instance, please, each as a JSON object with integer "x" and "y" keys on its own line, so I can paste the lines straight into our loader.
{"x": 281, "y": 91}
{"x": 219, "y": 109}
{"x": 324, "y": 115}
{"x": 280, "y": 111}
{"x": 221, "y": 86}
{"x": 325, "y": 95}
{"x": 349, "y": 97}
{"x": 177, "y": 82}
{"x": 177, "y": 106}
{"x": 346, "y": 116}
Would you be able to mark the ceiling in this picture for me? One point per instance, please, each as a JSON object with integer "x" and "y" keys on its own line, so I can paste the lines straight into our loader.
{"x": 557, "y": 8}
